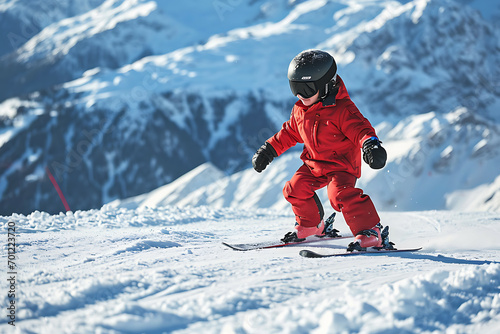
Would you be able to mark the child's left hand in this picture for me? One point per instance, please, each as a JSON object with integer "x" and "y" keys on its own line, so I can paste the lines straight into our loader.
{"x": 373, "y": 153}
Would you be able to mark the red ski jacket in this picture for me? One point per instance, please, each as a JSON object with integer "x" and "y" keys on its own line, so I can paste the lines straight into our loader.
{"x": 332, "y": 134}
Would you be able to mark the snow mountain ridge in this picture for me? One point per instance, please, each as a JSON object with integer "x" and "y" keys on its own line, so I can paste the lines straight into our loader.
{"x": 119, "y": 97}
{"x": 424, "y": 151}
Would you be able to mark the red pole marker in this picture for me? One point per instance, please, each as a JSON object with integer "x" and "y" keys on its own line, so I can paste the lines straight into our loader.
{"x": 59, "y": 191}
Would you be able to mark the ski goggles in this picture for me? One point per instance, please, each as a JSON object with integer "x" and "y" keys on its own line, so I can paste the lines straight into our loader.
{"x": 305, "y": 89}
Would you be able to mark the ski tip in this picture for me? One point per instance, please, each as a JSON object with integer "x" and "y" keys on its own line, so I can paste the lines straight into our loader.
{"x": 308, "y": 253}
{"x": 233, "y": 247}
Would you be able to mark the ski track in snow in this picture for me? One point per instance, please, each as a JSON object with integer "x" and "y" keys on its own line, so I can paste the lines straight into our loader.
{"x": 164, "y": 270}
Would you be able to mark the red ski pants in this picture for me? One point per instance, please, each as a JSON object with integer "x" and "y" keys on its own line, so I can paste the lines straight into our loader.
{"x": 358, "y": 210}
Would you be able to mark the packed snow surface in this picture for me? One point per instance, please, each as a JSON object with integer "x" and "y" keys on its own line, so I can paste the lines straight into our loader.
{"x": 164, "y": 270}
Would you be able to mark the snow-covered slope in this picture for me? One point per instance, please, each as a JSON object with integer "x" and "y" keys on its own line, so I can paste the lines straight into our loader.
{"x": 150, "y": 90}
{"x": 157, "y": 270}
{"x": 176, "y": 191}
{"x": 483, "y": 197}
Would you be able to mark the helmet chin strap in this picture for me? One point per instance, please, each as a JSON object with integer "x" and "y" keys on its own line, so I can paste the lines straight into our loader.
{"x": 330, "y": 85}
{"x": 330, "y": 96}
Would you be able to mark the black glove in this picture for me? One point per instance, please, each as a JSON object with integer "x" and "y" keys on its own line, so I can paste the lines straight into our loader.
{"x": 263, "y": 157}
{"x": 373, "y": 153}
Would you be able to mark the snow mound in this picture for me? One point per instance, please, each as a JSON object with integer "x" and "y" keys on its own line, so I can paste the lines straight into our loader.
{"x": 439, "y": 301}
{"x": 109, "y": 217}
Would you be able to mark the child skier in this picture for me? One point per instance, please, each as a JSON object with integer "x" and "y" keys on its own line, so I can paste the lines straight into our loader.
{"x": 333, "y": 132}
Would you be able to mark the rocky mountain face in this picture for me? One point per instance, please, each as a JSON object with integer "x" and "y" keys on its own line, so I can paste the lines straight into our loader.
{"x": 102, "y": 155}
{"x": 116, "y": 98}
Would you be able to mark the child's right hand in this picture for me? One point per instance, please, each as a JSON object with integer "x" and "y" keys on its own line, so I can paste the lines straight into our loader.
{"x": 263, "y": 157}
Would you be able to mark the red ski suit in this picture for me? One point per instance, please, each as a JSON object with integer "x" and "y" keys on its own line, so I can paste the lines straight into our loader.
{"x": 332, "y": 136}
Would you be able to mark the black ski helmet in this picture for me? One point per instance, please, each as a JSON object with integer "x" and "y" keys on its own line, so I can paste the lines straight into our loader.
{"x": 311, "y": 71}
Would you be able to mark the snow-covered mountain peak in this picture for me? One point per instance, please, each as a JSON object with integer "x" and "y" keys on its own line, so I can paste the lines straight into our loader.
{"x": 391, "y": 44}
{"x": 57, "y": 39}
{"x": 161, "y": 90}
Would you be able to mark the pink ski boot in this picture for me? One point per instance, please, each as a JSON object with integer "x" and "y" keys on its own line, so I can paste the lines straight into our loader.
{"x": 321, "y": 230}
{"x": 372, "y": 238}
{"x": 304, "y": 232}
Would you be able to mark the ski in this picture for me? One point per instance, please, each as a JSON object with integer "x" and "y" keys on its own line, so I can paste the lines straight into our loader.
{"x": 274, "y": 244}
{"x": 311, "y": 254}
